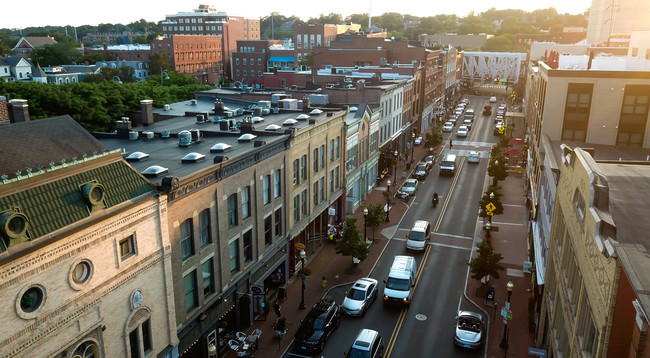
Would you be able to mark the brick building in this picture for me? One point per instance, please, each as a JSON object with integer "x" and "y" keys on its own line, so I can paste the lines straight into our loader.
{"x": 195, "y": 56}
{"x": 27, "y": 44}
{"x": 250, "y": 61}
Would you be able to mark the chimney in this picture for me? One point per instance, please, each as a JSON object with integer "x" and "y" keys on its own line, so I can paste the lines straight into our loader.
{"x": 123, "y": 127}
{"x": 147, "y": 112}
{"x": 19, "y": 112}
{"x": 305, "y": 103}
{"x": 4, "y": 110}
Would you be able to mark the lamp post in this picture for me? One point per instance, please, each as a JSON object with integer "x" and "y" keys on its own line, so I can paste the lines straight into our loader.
{"x": 488, "y": 226}
{"x": 365, "y": 224}
{"x": 395, "y": 154}
{"x": 388, "y": 202}
{"x": 504, "y": 340}
{"x": 212, "y": 350}
{"x": 302, "y": 276}
{"x": 161, "y": 76}
{"x": 412, "y": 145}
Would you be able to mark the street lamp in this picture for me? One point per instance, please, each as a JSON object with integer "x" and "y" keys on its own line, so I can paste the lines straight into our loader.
{"x": 161, "y": 76}
{"x": 117, "y": 79}
{"x": 212, "y": 350}
{"x": 488, "y": 226}
{"x": 504, "y": 340}
{"x": 395, "y": 154}
{"x": 412, "y": 145}
{"x": 388, "y": 202}
{"x": 365, "y": 223}
{"x": 302, "y": 276}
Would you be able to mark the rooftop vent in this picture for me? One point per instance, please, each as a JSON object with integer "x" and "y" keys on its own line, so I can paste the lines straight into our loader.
{"x": 273, "y": 127}
{"x": 220, "y": 147}
{"x": 302, "y": 116}
{"x": 257, "y": 119}
{"x": 220, "y": 158}
{"x": 193, "y": 102}
{"x": 148, "y": 135}
{"x": 137, "y": 156}
{"x": 155, "y": 171}
{"x": 246, "y": 137}
{"x": 192, "y": 157}
{"x": 289, "y": 122}
{"x": 353, "y": 109}
{"x": 312, "y": 121}
{"x": 316, "y": 112}
{"x": 259, "y": 143}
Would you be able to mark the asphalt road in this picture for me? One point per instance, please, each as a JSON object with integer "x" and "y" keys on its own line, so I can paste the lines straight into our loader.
{"x": 426, "y": 328}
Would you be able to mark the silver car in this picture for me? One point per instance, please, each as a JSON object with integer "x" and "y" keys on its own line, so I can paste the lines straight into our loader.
{"x": 469, "y": 329}
{"x": 360, "y": 296}
{"x": 409, "y": 187}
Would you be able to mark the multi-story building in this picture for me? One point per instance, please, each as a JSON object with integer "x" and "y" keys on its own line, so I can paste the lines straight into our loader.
{"x": 15, "y": 68}
{"x": 250, "y": 61}
{"x": 595, "y": 301}
{"x": 196, "y": 56}
{"x": 610, "y": 18}
{"x": 27, "y": 44}
{"x": 128, "y": 52}
{"x": 85, "y": 264}
{"x": 362, "y": 153}
{"x": 308, "y": 37}
{"x": 207, "y": 21}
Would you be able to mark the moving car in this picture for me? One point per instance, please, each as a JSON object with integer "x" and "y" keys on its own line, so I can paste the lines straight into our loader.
{"x": 473, "y": 157}
{"x": 409, "y": 187}
{"x": 319, "y": 324}
{"x": 368, "y": 344}
{"x": 468, "y": 123}
{"x": 469, "y": 329}
{"x": 493, "y": 99}
{"x": 487, "y": 110}
{"x": 448, "y": 127}
{"x": 462, "y": 131}
{"x": 362, "y": 293}
{"x": 398, "y": 286}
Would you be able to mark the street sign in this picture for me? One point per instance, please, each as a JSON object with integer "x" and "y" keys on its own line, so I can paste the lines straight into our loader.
{"x": 507, "y": 305}
{"x": 490, "y": 213}
{"x": 501, "y": 129}
{"x": 506, "y": 313}
{"x": 490, "y": 207}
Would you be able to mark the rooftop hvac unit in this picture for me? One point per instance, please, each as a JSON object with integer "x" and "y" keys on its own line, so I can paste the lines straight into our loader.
{"x": 149, "y": 135}
{"x": 193, "y": 102}
{"x": 133, "y": 135}
{"x": 167, "y": 107}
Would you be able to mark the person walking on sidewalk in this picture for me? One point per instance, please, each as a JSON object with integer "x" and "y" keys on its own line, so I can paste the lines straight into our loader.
{"x": 276, "y": 308}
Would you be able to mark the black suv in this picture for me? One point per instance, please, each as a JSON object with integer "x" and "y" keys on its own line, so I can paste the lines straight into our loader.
{"x": 320, "y": 322}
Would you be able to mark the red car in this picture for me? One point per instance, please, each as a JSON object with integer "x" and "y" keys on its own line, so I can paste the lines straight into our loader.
{"x": 487, "y": 110}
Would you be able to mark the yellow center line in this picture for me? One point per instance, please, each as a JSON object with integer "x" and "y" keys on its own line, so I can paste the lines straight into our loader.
{"x": 448, "y": 198}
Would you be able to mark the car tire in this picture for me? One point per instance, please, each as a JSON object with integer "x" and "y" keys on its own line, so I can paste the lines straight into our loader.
{"x": 321, "y": 346}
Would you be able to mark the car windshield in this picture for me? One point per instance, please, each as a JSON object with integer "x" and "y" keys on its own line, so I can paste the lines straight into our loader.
{"x": 356, "y": 353}
{"x": 399, "y": 284}
{"x": 446, "y": 163}
{"x": 316, "y": 322}
{"x": 422, "y": 168}
{"x": 417, "y": 236}
{"x": 356, "y": 294}
{"x": 409, "y": 184}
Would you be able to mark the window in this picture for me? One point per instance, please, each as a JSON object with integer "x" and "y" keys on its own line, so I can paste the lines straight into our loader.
{"x": 234, "y": 257}
{"x": 373, "y": 142}
{"x": 187, "y": 240}
{"x": 321, "y": 183}
{"x": 315, "y": 164}
{"x": 296, "y": 208}
{"x": 232, "y": 210}
{"x": 634, "y": 111}
{"x": 576, "y": 111}
{"x": 303, "y": 167}
{"x": 296, "y": 170}
{"x": 246, "y": 202}
{"x": 338, "y": 147}
{"x": 268, "y": 230}
{"x": 277, "y": 216}
{"x": 304, "y": 202}
{"x": 191, "y": 299}
{"x": 248, "y": 246}
{"x": 204, "y": 227}
{"x": 127, "y": 247}
{"x": 267, "y": 189}
{"x": 134, "y": 344}
{"x": 336, "y": 177}
{"x": 276, "y": 184}
{"x": 332, "y": 150}
{"x": 579, "y": 205}
{"x": 315, "y": 192}
{"x": 208, "y": 278}
{"x": 332, "y": 181}
{"x": 322, "y": 156}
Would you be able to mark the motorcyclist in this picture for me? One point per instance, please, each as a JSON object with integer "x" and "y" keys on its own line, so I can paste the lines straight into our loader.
{"x": 434, "y": 200}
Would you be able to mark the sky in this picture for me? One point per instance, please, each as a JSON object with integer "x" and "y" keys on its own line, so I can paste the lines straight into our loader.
{"x": 17, "y": 14}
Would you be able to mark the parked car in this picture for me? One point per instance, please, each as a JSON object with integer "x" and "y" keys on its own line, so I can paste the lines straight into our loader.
{"x": 499, "y": 128}
{"x": 487, "y": 110}
{"x": 362, "y": 293}
{"x": 493, "y": 99}
{"x": 462, "y": 131}
{"x": 409, "y": 187}
{"x": 319, "y": 324}
{"x": 468, "y": 123}
{"x": 421, "y": 170}
{"x": 473, "y": 157}
{"x": 452, "y": 118}
{"x": 429, "y": 160}
{"x": 448, "y": 127}
{"x": 469, "y": 329}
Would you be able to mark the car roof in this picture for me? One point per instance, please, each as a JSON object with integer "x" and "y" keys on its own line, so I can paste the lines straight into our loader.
{"x": 364, "y": 282}
{"x": 473, "y": 152}
{"x": 462, "y": 127}
{"x": 411, "y": 180}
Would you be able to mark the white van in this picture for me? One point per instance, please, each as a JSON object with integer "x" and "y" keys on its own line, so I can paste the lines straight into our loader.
{"x": 448, "y": 165}
{"x": 419, "y": 235}
{"x": 398, "y": 287}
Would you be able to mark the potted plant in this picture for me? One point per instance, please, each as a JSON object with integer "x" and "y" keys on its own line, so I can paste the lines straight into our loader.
{"x": 280, "y": 326}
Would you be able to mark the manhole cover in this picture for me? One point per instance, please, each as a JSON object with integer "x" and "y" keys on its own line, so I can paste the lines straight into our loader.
{"x": 420, "y": 317}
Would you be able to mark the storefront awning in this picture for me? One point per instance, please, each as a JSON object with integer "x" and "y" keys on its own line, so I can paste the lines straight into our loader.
{"x": 281, "y": 59}
{"x": 540, "y": 261}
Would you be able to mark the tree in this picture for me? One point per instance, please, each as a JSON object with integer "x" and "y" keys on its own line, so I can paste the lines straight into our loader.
{"x": 376, "y": 216}
{"x": 62, "y": 53}
{"x": 159, "y": 62}
{"x": 308, "y": 60}
{"x": 497, "y": 168}
{"x": 434, "y": 135}
{"x": 502, "y": 43}
{"x": 496, "y": 201}
{"x": 486, "y": 262}
{"x": 352, "y": 243}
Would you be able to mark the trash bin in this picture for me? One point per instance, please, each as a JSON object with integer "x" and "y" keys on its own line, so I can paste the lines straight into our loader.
{"x": 490, "y": 293}
{"x": 282, "y": 292}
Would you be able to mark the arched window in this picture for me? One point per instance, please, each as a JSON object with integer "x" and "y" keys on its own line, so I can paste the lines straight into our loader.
{"x": 139, "y": 338}
{"x": 87, "y": 349}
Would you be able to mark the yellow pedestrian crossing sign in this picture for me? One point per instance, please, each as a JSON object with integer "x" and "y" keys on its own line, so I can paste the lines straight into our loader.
{"x": 489, "y": 213}
{"x": 501, "y": 129}
{"x": 490, "y": 207}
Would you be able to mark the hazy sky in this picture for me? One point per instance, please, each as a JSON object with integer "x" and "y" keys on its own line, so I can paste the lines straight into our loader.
{"x": 18, "y": 14}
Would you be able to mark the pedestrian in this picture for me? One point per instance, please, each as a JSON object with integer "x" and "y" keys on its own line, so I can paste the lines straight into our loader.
{"x": 276, "y": 308}
{"x": 450, "y": 144}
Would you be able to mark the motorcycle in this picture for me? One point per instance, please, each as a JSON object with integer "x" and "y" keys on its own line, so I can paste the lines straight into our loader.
{"x": 434, "y": 200}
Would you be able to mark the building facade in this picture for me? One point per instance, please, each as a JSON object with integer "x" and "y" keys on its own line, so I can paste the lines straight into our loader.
{"x": 196, "y": 56}
{"x": 608, "y": 19}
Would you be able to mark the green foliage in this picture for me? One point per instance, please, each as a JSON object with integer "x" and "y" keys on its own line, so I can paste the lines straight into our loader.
{"x": 486, "y": 262}
{"x": 497, "y": 167}
{"x": 308, "y": 60}
{"x": 62, "y": 53}
{"x": 433, "y": 136}
{"x": 485, "y": 199}
{"x": 502, "y": 43}
{"x": 332, "y": 18}
{"x": 352, "y": 243}
{"x": 159, "y": 62}
{"x": 376, "y": 216}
